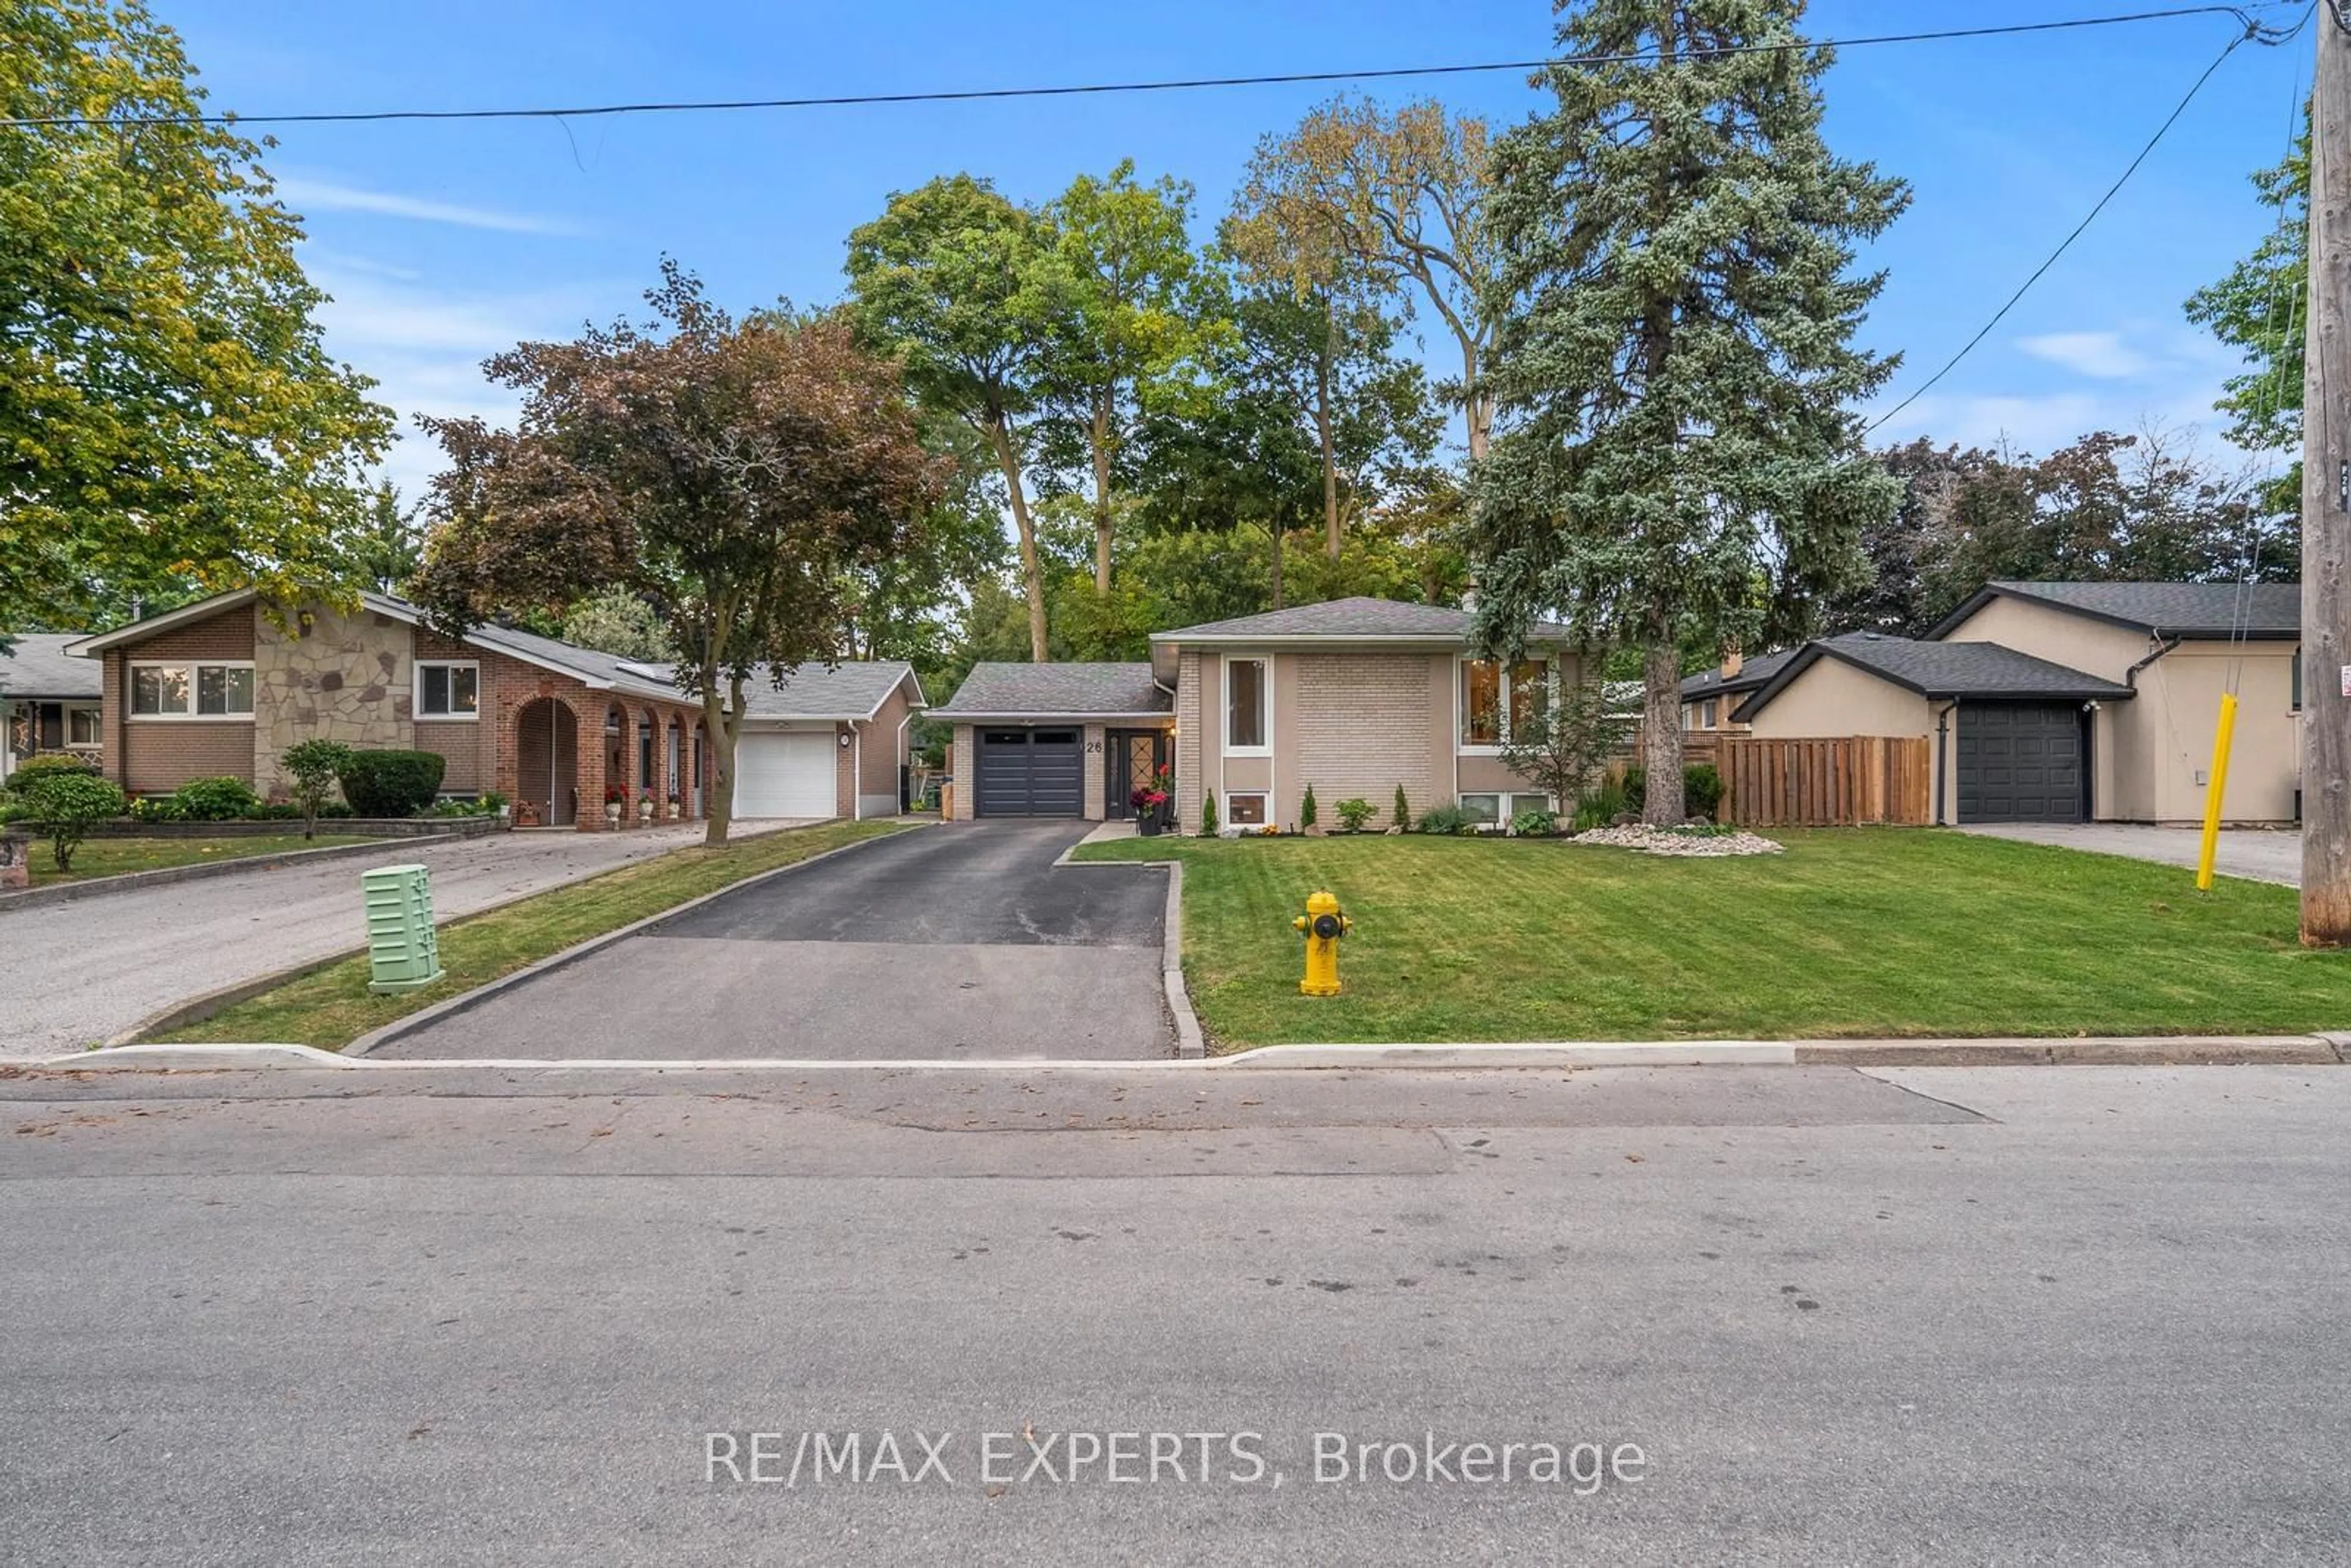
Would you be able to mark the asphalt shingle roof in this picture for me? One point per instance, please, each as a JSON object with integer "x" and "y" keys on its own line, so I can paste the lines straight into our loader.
{"x": 1979, "y": 670}
{"x": 2263, "y": 610}
{"x": 1343, "y": 618}
{"x": 38, "y": 666}
{"x": 1056, "y": 691}
{"x": 844, "y": 691}
{"x": 1752, "y": 675}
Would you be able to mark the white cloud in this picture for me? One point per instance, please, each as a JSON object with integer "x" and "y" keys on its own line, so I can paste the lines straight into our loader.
{"x": 424, "y": 345}
{"x": 327, "y": 195}
{"x": 2103, "y": 356}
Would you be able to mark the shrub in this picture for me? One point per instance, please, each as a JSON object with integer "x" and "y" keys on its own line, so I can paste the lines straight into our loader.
{"x": 1447, "y": 820}
{"x": 1401, "y": 819}
{"x": 44, "y": 763}
{"x": 65, "y": 803}
{"x": 1535, "y": 824}
{"x": 157, "y": 808}
{"x": 1354, "y": 814}
{"x": 1600, "y": 807}
{"x": 1306, "y": 810}
{"x": 315, "y": 767}
{"x": 215, "y": 799}
{"x": 275, "y": 811}
{"x": 1209, "y": 813}
{"x": 392, "y": 783}
{"x": 1701, "y": 790}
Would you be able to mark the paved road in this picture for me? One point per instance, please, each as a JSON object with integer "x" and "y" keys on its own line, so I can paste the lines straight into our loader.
{"x": 89, "y": 969}
{"x": 2257, "y": 853}
{"x": 962, "y": 942}
{"x": 2086, "y": 1315}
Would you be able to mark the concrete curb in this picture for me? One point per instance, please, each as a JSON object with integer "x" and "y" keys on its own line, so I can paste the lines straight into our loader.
{"x": 163, "y": 876}
{"x": 1191, "y": 1044}
{"x": 2139, "y": 1050}
{"x": 2105, "y": 1051}
{"x": 425, "y": 1018}
{"x": 196, "y": 1009}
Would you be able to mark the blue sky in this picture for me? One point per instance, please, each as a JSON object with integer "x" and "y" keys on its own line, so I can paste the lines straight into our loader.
{"x": 444, "y": 243}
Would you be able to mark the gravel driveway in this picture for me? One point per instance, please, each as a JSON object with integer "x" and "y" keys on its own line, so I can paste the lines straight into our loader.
{"x": 2258, "y": 855}
{"x": 89, "y": 969}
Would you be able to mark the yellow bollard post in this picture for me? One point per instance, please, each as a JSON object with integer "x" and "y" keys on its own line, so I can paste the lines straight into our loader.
{"x": 2220, "y": 738}
{"x": 1323, "y": 925}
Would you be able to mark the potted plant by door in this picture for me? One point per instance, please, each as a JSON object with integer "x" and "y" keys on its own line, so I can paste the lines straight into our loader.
{"x": 616, "y": 800}
{"x": 1165, "y": 786}
{"x": 645, "y": 807}
{"x": 1148, "y": 802}
{"x": 526, "y": 813}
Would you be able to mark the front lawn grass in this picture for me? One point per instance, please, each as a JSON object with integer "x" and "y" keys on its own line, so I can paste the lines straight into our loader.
{"x": 1853, "y": 932}
{"x": 330, "y": 1008}
{"x": 114, "y": 857}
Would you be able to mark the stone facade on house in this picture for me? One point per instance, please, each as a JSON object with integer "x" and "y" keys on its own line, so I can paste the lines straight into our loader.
{"x": 325, "y": 675}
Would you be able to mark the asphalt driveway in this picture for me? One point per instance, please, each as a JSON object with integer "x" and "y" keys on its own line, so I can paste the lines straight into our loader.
{"x": 962, "y": 942}
{"x": 2257, "y": 854}
{"x": 90, "y": 969}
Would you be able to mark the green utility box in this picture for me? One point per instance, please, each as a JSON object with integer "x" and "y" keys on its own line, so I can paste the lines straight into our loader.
{"x": 403, "y": 951}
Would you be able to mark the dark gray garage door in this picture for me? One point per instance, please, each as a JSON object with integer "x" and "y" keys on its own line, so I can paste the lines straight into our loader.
{"x": 1030, "y": 773}
{"x": 2021, "y": 762}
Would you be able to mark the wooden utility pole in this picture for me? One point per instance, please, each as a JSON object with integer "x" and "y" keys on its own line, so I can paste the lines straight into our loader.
{"x": 2326, "y": 500}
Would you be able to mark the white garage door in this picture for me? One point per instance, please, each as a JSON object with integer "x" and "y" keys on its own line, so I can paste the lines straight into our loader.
{"x": 785, "y": 775}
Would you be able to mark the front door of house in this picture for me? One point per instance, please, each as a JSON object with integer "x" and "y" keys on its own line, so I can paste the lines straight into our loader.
{"x": 1136, "y": 755}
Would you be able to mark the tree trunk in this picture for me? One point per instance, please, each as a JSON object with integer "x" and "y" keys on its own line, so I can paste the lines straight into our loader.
{"x": 1477, "y": 408}
{"x": 1101, "y": 494}
{"x": 1661, "y": 721}
{"x": 1273, "y": 526}
{"x": 718, "y": 808}
{"x": 1032, "y": 576}
{"x": 1323, "y": 430}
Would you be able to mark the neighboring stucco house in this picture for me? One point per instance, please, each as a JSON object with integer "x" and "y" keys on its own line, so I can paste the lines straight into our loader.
{"x": 2070, "y": 701}
{"x": 1710, "y": 697}
{"x": 222, "y": 687}
{"x": 1355, "y": 696}
{"x": 49, "y": 699}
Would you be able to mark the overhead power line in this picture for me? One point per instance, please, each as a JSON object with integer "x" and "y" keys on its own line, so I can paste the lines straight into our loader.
{"x": 2241, "y": 15}
{"x": 2253, "y": 33}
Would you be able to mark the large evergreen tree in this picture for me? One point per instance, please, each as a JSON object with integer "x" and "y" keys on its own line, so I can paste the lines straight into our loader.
{"x": 1676, "y": 457}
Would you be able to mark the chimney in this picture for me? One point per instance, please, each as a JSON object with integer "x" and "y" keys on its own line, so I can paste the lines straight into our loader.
{"x": 1733, "y": 662}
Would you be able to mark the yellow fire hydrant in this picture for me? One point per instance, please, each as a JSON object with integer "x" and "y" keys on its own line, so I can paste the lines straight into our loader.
{"x": 1323, "y": 925}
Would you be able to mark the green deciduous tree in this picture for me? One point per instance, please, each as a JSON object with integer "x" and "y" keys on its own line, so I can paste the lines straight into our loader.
{"x": 952, "y": 280}
{"x": 1122, "y": 317}
{"x": 2259, "y": 309}
{"x": 1403, "y": 195}
{"x": 312, "y": 768}
{"x": 618, "y": 622}
{"x": 1674, "y": 365}
{"x": 167, "y": 414}
{"x": 732, "y": 473}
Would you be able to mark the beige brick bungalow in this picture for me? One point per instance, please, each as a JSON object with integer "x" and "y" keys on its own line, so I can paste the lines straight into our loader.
{"x": 222, "y": 687}
{"x": 2064, "y": 701}
{"x": 1355, "y": 696}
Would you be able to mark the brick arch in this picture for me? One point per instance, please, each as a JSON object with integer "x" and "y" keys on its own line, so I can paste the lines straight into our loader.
{"x": 545, "y": 743}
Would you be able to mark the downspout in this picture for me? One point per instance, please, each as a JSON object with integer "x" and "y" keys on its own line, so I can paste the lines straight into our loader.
{"x": 1942, "y": 748}
{"x": 856, "y": 771}
{"x": 2162, "y": 645}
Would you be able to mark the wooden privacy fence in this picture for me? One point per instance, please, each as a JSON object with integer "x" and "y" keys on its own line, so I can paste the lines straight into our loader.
{"x": 1835, "y": 783}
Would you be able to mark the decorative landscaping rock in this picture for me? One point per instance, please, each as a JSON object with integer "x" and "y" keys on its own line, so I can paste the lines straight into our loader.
{"x": 1678, "y": 841}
